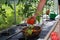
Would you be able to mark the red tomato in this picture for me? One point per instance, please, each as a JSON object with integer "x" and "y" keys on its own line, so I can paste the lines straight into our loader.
{"x": 54, "y": 36}
{"x": 31, "y": 21}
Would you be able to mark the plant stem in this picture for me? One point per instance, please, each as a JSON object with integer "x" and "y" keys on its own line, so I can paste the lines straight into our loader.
{"x": 14, "y": 12}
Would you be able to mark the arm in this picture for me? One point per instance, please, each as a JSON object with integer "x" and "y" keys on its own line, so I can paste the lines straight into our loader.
{"x": 40, "y": 6}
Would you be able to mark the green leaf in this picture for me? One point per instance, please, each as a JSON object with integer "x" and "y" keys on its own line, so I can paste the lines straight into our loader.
{"x": 10, "y": 6}
{"x": 6, "y": 2}
{"x": 38, "y": 18}
{"x": 18, "y": 2}
{"x": 46, "y": 2}
{"x": 2, "y": 1}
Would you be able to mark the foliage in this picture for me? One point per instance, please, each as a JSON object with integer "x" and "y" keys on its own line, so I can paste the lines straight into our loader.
{"x": 29, "y": 30}
{"x": 24, "y": 9}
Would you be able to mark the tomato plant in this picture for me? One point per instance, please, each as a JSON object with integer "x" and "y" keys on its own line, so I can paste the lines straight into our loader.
{"x": 14, "y": 11}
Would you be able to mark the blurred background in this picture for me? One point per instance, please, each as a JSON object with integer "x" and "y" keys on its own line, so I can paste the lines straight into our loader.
{"x": 13, "y": 12}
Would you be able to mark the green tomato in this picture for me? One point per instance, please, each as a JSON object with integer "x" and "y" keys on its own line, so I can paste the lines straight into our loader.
{"x": 29, "y": 32}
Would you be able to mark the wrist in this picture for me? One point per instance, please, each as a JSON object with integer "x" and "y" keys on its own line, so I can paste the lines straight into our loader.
{"x": 36, "y": 15}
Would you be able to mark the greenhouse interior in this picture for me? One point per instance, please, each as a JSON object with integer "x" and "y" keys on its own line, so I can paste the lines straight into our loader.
{"x": 29, "y": 20}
